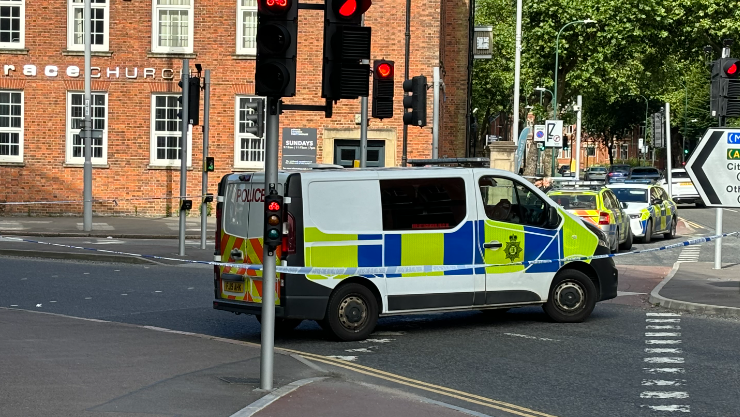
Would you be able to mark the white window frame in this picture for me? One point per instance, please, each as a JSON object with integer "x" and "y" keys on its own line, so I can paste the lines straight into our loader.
{"x": 153, "y": 160}
{"x": 22, "y": 41}
{"x": 155, "y": 28}
{"x": 19, "y": 157}
{"x": 238, "y": 163}
{"x": 71, "y": 6}
{"x": 69, "y": 158}
{"x": 626, "y": 148}
{"x": 240, "y": 9}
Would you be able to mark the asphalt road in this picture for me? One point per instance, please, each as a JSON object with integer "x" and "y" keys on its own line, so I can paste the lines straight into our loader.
{"x": 597, "y": 368}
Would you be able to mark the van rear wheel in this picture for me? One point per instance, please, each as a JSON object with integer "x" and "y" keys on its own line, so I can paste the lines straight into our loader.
{"x": 572, "y": 297}
{"x": 352, "y": 313}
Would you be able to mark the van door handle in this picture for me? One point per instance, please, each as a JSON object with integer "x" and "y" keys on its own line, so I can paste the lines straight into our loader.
{"x": 236, "y": 254}
{"x": 495, "y": 244}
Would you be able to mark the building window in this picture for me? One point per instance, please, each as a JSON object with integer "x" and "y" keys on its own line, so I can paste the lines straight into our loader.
{"x": 249, "y": 150}
{"x": 11, "y": 126}
{"x": 75, "y": 120}
{"x": 99, "y": 25}
{"x": 590, "y": 150}
{"x": 246, "y": 27}
{"x": 564, "y": 153}
{"x": 12, "y": 24}
{"x": 624, "y": 151}
{"x": 173, "y": 26}
{"x": 166, "y": 147}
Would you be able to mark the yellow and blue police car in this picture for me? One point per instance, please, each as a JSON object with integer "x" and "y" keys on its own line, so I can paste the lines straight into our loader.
{"x": 649, "y": 207}
{"x": 430, "y": 239}
{"x": 593, "y": 202}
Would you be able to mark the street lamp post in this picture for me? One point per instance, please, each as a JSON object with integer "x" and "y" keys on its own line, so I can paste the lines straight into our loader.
{"x": 555, "y": 94}
{"x": 644, "y": 143}
{"x": 685, "y": 109}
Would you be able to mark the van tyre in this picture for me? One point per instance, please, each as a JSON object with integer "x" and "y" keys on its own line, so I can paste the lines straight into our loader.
{"x": 672, "y": 231}
{"x": 352, "y": 313}
{"x": 572, "y": 297}
{"x": 627, "y": 245}
{"x": 648, "y": 232}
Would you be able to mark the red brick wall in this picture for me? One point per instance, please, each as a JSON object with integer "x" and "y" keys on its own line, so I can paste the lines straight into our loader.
{"x": 44, "y": 175}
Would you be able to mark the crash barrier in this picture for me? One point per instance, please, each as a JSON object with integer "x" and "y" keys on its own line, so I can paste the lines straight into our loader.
{"x": 372, "y": 271}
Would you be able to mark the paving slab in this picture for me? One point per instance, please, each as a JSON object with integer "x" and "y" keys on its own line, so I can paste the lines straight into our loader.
{"x": 697, "y": 287}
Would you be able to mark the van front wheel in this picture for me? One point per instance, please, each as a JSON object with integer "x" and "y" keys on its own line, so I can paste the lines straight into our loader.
{"x": 572, "y": 297}
{"x": 352, "y": 313}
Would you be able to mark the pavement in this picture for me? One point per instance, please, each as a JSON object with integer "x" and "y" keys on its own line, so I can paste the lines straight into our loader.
{"x": 65, "y": 366}
{"x": 698, "y": 288}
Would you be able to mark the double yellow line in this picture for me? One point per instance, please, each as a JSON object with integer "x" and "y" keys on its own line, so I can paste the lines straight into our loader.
{"x": 693, "y": 224}
{"x": 448, "y": 392}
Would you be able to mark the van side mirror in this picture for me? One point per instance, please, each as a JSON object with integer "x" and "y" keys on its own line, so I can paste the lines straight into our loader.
{"x": 553, "y": 217}
{"x": 657, "y": 201}
{"x": 625, "y": 204}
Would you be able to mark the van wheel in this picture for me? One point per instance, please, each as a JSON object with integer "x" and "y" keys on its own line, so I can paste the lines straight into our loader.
{"x": 572, "y": 297}
{"x": 648, "y": 232}
{"x": 283, "y": 325}
{"x": 352, "y": 313}
{"x": 627, "y": 245}
{"x": 672, "y": 231}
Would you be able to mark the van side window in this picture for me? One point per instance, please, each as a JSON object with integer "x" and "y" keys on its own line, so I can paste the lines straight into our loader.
{"x": 505, "y": 200}
{"x": 423, "y": 203}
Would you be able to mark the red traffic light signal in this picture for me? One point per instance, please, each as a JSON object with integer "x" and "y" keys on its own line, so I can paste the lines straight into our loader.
{"x": 730, "y": 67}
{"x": 384, "y": 70}
{"x": 273, "y": 206}
{"x": 349, "y": 9}
{"x": 275, "y": 7}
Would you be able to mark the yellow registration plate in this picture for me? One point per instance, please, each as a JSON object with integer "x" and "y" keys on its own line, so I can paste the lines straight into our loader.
{"x": 685, "y": 183}
{"x": 233, "y": 286}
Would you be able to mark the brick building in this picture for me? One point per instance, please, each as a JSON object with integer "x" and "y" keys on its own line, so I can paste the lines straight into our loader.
{"x": 138, "y": 47}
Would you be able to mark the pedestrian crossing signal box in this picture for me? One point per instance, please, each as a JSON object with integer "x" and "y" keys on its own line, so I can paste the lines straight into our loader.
{"x": 210, "y": 164}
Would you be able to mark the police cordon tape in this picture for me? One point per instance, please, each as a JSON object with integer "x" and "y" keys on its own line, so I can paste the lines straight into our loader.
{"x": 383, "y": 270}
{"x": 103, "y": 200}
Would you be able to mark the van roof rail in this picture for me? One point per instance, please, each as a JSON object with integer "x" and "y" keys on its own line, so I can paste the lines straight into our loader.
{"x": 479, "y": 162}
{"x": 325, "y": 166}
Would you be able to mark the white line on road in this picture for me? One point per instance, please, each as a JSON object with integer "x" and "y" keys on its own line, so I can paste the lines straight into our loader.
{"x": 531, "y": 337}
{"x": 668, "y": 327}
{"x": 664, "y": 370}
{"x": 344, "y": 358}
{"x": 664, "y": 360}
{"x": 663, "y": 320}
{"x": 663, "y": 314}
{"x": 363, "y": 350}
{"x": 662, "y": 342}
{"x": 663, "y": 350}
{"x": 664, "y": 394}
{"x": 14, "y": 305}
{"x": 734, "y": 211}
{"x": 662, "y": 334}
{"x": 663, "y": 382}
{"x": 670, "y": 408}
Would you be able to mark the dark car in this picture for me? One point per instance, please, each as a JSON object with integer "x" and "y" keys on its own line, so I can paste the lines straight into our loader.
{"x": 645, "y": 173}
{"x": 564, "y": 170}
{"x": 617, "y": 173}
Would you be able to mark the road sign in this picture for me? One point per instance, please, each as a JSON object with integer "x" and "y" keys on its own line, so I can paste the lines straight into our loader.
{"x": 539, "y": 133}
{"x": 714, "y": 167}
{"x": 554, "y": 133}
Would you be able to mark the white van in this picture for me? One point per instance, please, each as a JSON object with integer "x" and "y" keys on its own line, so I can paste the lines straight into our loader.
{"x": 388, "y": 217}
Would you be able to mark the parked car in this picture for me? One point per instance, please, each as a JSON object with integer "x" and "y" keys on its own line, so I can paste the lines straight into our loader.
{"x": 682, "y": 188}
{"x": 564, "y": 170}
{"x": 617, "y": 173}
{"x": 650, "y": 208}
{"x": 645, "y": 173}
{"x": 595, "y": 174}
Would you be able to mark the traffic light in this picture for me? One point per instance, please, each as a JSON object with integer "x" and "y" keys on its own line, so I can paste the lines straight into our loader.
{"x": 193, "y": 100}
{"x": 383, "y": 85}
{"x": 256, "y": 116}
{"x": 346, "y": 44}
{"x": 273, "y": 221}
{"x": 725, "y": 91}
{"x": 277, "y": 38}
{"x": 416, "y": 102}
{"x": 566, "y": 141}
{"x": 210, "y": 164}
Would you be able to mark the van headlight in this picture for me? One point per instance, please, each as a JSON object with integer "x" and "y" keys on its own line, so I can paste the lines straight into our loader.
{"x": 599, "y": 234}
{"x": 634, "y": 216}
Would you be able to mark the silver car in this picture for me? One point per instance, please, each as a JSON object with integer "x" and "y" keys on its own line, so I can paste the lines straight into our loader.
{"x": 595, "y": 174}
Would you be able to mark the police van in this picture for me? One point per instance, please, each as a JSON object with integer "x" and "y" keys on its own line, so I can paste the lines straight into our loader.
{"x": 489, "y": 220}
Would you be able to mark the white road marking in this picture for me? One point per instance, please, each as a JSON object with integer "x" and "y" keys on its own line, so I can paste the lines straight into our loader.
{"x": 662, "y": 334}
{"x": 85, "y": 273}
{"x": 532, "y": 337}
{"x": 664, "y": 370}
{"x": 14, "y": 305}
{"x": 734, "y": 211}
{"x": 116, "y": 270}
{"x": 124, "y": 294}
{"x": 663, "y": 314}
{"x": 52, "y": 301}
{"x": 88, "y": 298}
{"x": 663, "y": 320}
{"x": 663, "y": 350}
{"x": 38, "y": 305}
{"x": 663, "y": 382}
{"x": 662, "y": 342}
{"x": 388, "y": 333}
{"x": 23, "y": 279}
{"x": 377, "y": 340}
{"x": 363, "y": 350}
{"x": 344, "y": 358}
{"x": 157, "y": 291}
{"x": 664, "y": 360}
{"x": 664, "y": 394}
{"x": 191, "y": 288}
{"x": 670, "y": 408}
{"x": 623, "y": 293}
{"x": 55, "y": 276}
{"x": 669, "y": 327}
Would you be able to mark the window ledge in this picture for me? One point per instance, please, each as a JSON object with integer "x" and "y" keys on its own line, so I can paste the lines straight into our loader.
{"x": 167, "y": 167}
{"x": 69, "y": 165}
{"x": 246, "y": 169}
{"x": 243, "y": 56}
{"x": 180, "y": 55}
{"x": 12, "y": 164}
{"x": 69, "y": 52}
{"x": 21, "y": 51}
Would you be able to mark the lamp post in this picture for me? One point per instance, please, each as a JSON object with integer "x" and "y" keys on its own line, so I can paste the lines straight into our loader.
{"x": 555, "y": 94}
{"x": 646, "y": 125}
{"x": 541, "y": 89}
{"x": 685, "y": 109}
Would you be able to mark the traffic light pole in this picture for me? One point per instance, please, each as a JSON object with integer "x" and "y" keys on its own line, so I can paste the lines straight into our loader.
{"x": 184, "y": 152}
{"x": 272, "y": 136}
{"x": 404, "y": 152}
{"x": 363, "y": 121}
{"x": 87, "y": 127}
{"x": 579, "y": 103}
{"x": 669, "y": 161}
{"x": 204, "y": 182}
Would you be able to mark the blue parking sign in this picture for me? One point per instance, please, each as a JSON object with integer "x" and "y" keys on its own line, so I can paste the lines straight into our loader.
{"x": 733, "y": 138}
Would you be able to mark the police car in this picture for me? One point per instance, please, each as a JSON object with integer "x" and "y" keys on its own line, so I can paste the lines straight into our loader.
{"x": 650, "y": 208}
{"x": 485, "y": 222}
{"x": 593, "y": 202}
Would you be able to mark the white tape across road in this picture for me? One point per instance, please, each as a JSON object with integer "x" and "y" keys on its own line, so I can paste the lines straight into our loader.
{"x": 372, "y": 271}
